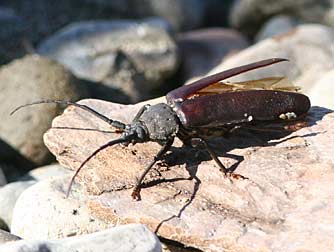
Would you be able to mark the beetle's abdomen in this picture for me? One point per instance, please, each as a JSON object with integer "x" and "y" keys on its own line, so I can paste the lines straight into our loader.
{"x": 238, "y": 107}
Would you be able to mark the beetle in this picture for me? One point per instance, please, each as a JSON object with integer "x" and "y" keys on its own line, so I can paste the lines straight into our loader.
{"x": 204, "y": 109}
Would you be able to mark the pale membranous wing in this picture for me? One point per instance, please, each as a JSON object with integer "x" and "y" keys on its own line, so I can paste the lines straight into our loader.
{"x": 270, "y": 83}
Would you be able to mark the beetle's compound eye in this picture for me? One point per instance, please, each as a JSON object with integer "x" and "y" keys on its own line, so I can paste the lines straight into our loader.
{"x": 288, "y": 116}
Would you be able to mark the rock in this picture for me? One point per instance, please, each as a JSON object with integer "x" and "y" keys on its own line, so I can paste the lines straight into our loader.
{"x": 130, "y": 56}
{"x": 11, "y": 192}
{"x": 217, "y": 13}
{"x": 8, "y": 197}
{"x": 321, "y": 90}
{"x": 11, "y": 35}
{"x": 7, "y": 237}
{"x": 3, "y": 180}
{"x": 249, "y": 15}
{"x": 202, "y": 50}
{"x": 275, "y": 26}
{"x": 181, "y": 14}
{"x": 46, "y": 172}
{"x": 57, "y": 215}
{"x": 134, "y": 238}
{"x": 27, "y": 80}
{"x": 310, "y": 59}
{"x": 285, "y": 205}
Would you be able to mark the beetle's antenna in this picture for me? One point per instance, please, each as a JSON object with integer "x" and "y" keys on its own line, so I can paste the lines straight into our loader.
{"x": 88, "y": 129}
{"x": 113, "y": 142}
{"x": 113, "y": 123}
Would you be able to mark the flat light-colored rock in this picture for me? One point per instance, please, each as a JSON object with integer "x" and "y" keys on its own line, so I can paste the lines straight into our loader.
{"x": 43, "y": 212}
{"x": 127, "y": 238}
{"x": 8, "y": 197}
{"x": 11, "y": 192}
{"x": 310, "y": 59}
{"x": 285, "y": 205}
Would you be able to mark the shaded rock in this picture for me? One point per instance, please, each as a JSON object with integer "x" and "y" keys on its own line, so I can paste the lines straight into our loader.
{"x": 26, "y": 80}
{"x": 249, "y": 15}
{"x": 11, "y": 35}
{"x": 286, "y": 201}
{"x": 202, "y": 50}
{"x": 3, "y": 180}
{"x": 7, "y": 237}
{"x": 130, "y": 56}
{"x": 181, "y": 14}
{"x": 217, "y": 13}
{"x": 310, "y": 59}
{"x": 43, "y": 18}
{"x": 134, "y": 238}
{"x": 11, "y": 192}
{"x": 276, "y": 26}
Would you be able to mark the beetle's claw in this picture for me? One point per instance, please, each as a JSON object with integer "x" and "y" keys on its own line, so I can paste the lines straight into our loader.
{"x": 136, "y": 194}
{"x": 232, "y": 175}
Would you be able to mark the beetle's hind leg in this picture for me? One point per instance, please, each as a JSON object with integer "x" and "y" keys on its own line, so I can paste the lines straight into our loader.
{"x": 227, "y": 172}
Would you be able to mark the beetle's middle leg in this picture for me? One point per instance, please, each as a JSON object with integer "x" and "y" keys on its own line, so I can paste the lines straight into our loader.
{"x": 136, "y": 191}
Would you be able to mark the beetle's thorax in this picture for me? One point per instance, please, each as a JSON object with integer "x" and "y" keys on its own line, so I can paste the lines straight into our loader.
{"x": 160, "y": 123}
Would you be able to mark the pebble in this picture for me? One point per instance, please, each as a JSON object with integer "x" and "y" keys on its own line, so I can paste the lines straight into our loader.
{"x": 126, "y": 238}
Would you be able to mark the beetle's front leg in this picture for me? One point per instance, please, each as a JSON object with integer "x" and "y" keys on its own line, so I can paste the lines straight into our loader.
{"x": 136, "y": 191}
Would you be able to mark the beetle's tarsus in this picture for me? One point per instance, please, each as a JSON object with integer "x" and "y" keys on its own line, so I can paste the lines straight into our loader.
{"x": 232, "y": 175}
{"x": 136, "y": 193}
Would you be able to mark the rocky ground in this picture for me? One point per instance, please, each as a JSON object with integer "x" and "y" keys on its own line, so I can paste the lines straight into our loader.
{"x": 116, "y": 56}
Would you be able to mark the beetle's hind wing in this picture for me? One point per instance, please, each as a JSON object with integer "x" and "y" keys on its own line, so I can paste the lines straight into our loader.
{"x": 270, "y": 83}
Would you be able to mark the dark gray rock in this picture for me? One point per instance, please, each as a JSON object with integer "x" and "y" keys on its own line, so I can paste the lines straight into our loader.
{"x": 126, "y": 55}
{"x": 11, "y": 35}
{"x": 27, "y": 80}
{"x": 181, "y": 14}
{"x": 3, "y": 179}
{"x": 127, "y": 238}
{"x": 249, "y": 15}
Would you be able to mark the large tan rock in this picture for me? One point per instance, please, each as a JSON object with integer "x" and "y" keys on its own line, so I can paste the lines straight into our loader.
{"x": 285, "y": 205}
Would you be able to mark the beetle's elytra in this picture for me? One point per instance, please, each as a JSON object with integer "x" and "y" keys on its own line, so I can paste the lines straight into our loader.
{"x": 203, "y": 109}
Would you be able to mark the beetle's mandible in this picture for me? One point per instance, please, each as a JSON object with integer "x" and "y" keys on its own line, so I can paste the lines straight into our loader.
{"x": 204, "y": 109}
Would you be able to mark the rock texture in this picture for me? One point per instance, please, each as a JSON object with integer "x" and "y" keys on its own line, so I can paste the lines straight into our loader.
{"x": 310, "y": 59}
{"x": 127, "y": 238}
{"x": 285, "y": 205}
{"x": 11, "y": 192}
{"x": 27, "y": 80}
{"x": 134, "y": 57}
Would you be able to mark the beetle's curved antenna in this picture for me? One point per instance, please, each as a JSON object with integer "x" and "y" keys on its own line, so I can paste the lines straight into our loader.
{"x": 114, "y": 123}
{"x": 122, "y": 139}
